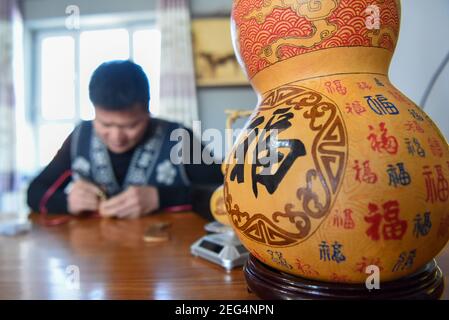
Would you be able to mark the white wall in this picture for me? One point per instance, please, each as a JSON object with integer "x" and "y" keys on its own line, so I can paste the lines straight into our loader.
{"x": 423, "y": 44}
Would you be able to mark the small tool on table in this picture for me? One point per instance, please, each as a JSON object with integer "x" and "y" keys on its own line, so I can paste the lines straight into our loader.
{"x": 157, "y": 232}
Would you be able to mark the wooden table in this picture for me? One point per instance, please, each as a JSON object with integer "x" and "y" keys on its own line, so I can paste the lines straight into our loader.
{"x": 115, "y": 263}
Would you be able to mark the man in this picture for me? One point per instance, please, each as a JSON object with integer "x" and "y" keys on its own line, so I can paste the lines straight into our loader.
{"x": 122, "y": 155}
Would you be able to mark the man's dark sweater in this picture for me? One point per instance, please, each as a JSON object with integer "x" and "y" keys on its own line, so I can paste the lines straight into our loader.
{"x": 198, "y": 174}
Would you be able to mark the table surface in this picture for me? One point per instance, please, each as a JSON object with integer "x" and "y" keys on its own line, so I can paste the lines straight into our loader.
{"x": 115, "y": 263}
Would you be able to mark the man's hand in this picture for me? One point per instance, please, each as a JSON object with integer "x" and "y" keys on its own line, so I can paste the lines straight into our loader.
{"x": 83, "y": 196}
{"x": 132, "y": 203}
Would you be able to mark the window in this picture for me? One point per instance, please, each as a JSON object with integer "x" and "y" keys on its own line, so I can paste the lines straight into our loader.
{"x": 65, "y": 62}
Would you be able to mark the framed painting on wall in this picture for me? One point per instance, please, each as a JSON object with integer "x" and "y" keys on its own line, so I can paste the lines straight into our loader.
{"x": 215, "y": 61}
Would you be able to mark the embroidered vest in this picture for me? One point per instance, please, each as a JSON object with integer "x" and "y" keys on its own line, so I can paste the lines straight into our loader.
{"x": 150, "y": 163}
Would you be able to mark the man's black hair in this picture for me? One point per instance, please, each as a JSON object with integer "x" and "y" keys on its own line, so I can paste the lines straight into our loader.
{"x": 119, "y": 85}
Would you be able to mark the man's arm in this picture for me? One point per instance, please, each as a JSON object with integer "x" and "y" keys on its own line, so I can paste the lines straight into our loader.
{"x": 200, "y": 175}
{"x": 57, "y": 202}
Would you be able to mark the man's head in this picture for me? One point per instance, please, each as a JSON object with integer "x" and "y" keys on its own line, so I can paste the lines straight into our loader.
{"x": 120, "y": 93}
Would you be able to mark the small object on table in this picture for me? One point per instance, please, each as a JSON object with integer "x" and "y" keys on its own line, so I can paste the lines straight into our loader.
{"x": 102, "y": 195}
{"x": 15, "y": 227}
{"x": 217, "y": 227}
{"x": 157, "y": 232}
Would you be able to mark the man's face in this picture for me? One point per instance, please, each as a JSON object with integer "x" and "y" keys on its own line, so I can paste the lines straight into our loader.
{"x": 120, "y": 131}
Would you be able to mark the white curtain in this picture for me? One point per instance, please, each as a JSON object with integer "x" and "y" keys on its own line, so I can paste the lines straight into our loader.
{"x": 8, "y": 179}
{"x": 178, "y": 100}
